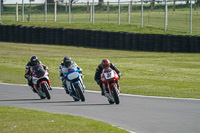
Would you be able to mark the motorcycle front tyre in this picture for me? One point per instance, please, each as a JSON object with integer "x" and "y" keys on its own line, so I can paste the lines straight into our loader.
{"x": 115, "y": 95}
{"x": 78, "y": 87}
{"x": 45, "y": 89}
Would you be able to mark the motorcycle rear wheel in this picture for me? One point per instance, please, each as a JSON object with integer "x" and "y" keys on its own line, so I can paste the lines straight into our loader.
{"x": 115, "y": 95}
{"x": 45, "y": 89}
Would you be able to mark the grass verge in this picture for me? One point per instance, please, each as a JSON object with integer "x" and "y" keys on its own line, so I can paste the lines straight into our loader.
{"x": 17, "y": 120}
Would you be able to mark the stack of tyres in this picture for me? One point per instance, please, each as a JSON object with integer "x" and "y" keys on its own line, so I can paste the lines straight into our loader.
{"x": 141, "y": 42}
{"x": 42, "y": 35}
{"x": 22, "y": 34}
{"x": 192, "y": 44}
{"x": 29, "y": 34}
{"x": 35, "y": 35}
{"x": 70, "y": 37}
{"x": 11, "y": 33}
{"x": 135, "y": 41}
{"x": 81, "y": 38}
{"x": 52, "y": 35}
{"x": 59, "y": 36}
{"x": 1, "y": 32}
{"x": 6, "y": 33}
{"x": 17, "y": 29}
{"x": 64, "y": 37}
{"x": 93, "y": 38}
{"x": 170, "y": 43}
{"x": 104, "y": 39}
{"x": 75, "y": 35}
{"x": 128, "y": 41}
{"x": 47, "y": 36}
{"x": 185, "y": 44}
{"x": 145, "y": 42}
{"x": 111, "y": 40}
{"x": 122, "y": 40}
{"x": 177, "y": 44}
{"x": 116, "y": 46}
{"x": 165, "y": 43}
{"x": 87, "y": 38}
{"x": 98, "y": 39}
{"x": 158, "y": 45}
{"x": 151, "y": 42}
{"x": 197, "y": 43}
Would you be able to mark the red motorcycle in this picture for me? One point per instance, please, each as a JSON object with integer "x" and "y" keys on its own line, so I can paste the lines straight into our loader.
{"x": 41, "y": 83}
{"x": 109, "y": 80}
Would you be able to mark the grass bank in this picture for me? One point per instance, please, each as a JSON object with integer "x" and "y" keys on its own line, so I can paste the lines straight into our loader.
{"x": 143, "y": 73}
{"x": 17, "y": 120}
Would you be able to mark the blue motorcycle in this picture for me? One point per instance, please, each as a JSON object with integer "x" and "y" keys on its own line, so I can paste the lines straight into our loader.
{"x": 75, "y": 84}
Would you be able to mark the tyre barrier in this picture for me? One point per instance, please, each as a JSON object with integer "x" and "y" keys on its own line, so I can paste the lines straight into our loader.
{"x": 100, "y": 39}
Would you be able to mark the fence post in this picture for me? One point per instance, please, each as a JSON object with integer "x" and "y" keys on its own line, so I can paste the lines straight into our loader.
{"x": 118, "y": 12}
{"x": 190, "y": 16}
{"x": 141, "y": 13}
{"x": 45, "y": 14}
{"x": 165, "y": 15}
{"x": 55, "y": 10}
{"x": 22, "y": 10}
{"x": 129, "y": 12}
{"x": 92, "y": 11}
{"x": 16, "y": 17}
{"x": 0, "y": 12}
{"x": 88, "y": 7}
{"x": 66, "y": 8}
{"x": 69, "y": 13}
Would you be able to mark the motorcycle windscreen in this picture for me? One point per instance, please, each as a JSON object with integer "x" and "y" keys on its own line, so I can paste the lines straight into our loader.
{"x": 109, "y": 74}
{"x": 73, "y": 75}
{"x": 38, "y": 71}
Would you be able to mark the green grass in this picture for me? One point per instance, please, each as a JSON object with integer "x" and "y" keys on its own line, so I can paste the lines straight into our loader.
{"x": 143, "y": 73}
{"x": 16, "y": 120}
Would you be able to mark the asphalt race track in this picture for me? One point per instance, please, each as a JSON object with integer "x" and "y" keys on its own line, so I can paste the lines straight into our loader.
{"x": 135, "y": 113}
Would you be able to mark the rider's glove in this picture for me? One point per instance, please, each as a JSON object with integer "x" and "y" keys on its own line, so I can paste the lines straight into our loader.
{"x": 119, "y": 74}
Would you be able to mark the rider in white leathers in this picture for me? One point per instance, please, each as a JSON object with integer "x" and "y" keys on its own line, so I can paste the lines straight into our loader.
{"x": 64, "y": 67}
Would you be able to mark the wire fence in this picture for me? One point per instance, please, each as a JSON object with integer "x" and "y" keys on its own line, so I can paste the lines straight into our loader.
{"x": 180, "y": 16}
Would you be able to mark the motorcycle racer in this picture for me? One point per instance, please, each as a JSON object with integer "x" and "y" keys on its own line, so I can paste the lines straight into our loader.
{"x": 32, "y": 62}
{"x": 65, "y": 65}
{"x": 104, "y": 64}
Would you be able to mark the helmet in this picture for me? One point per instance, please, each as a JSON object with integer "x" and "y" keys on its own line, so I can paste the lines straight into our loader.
{"x": 34, "y": 60}
{"x": 67, "y": 61}
{"x": 105, "y": 63}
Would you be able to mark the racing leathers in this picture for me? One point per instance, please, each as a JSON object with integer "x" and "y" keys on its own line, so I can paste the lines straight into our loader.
{"x": 63, "y": 69}
{"x": 98, "y": 72}
{"x": 28, "y": 74}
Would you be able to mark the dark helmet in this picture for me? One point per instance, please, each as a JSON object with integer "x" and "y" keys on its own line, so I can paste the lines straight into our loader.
{"x": 105, "y": 63}
{"x": 67, "y": 61}
{"x": 34, "y": 60}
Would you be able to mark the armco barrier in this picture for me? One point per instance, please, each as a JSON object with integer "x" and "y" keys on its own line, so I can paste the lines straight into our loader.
{"x": 100, "y": 39}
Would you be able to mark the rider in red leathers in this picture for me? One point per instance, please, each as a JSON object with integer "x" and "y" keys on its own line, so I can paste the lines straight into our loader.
{"x": 105, "y": 63}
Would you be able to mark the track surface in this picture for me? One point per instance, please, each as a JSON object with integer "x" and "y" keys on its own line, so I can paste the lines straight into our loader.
{"x": 134, "y": 113}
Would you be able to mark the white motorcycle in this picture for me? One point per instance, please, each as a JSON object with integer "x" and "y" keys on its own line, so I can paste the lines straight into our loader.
{"x": 41, "y": 83}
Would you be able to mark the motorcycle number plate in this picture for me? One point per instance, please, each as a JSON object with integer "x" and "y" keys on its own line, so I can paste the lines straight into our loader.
{"x": 109, "y": 75}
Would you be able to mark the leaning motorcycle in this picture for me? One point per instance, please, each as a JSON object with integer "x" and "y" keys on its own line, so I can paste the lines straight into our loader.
{"x": 110, "y": 80}
{"x": 41, "y": 83}
{"x": 75, "y": 84}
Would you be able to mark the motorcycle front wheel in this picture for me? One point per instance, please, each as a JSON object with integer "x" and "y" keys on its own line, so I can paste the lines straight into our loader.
{"x": 79, "y": 91}
{"x": 115, "y": 95}
{"x": 45, "y": 89}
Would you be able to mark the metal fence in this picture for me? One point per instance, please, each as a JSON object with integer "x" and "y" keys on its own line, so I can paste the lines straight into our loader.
{"x": 167, "y": 16}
